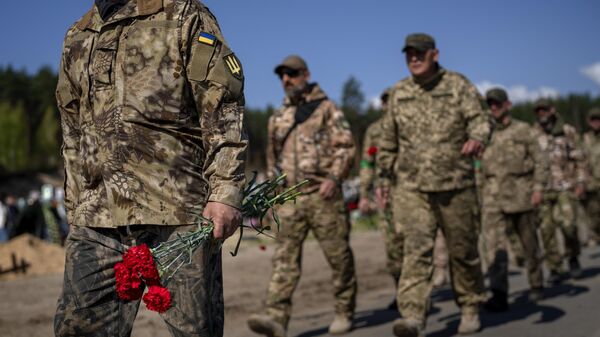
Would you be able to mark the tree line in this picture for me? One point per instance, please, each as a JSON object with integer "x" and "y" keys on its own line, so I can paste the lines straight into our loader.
{"x": 30, "y": 136}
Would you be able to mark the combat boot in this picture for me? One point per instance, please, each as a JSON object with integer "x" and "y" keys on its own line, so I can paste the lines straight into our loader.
{"x": 575, "y": 268}
{"x": 469, "y": 321}
{"x": 266, "y": 325}
{"x": 405, "y": 327}
{"x": 341, "y": 324}
{"x": 555, "y": 278}
{"x": 498, "y": 302}
{"x": 536, "y": 294}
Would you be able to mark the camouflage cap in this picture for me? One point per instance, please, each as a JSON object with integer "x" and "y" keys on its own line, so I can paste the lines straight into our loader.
{"x": 419, "y": 41}
{"x": 294, "y": 62}
{"x": 496, "y": 94}
{"x": 594, "y": 113}
{"x": 542, "y": 103}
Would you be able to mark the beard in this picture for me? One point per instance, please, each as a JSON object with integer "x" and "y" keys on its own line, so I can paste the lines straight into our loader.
{"x": 294, "y": 93}
{"x": 547, "y": 122}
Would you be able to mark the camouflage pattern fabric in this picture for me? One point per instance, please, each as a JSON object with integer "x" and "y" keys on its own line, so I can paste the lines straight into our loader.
{"x": 558, "y": 212}
{"x": 591, "y": 145}
{"x": 425, "y": 129}
{"x": 89, "y": 305}
{"x": 513, "y": 166}
{"x": 328, "y": 222}
{"x": 421, "y": 140}
{"x": 393, "y": 239}
{"x": 322, "y": 147}
{"x": 456, "y": 213}
{"x": 151, "y": 116}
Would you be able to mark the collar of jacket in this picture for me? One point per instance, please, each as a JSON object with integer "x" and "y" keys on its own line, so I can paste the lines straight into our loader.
{"x": 433, "y": 81}
{"x": 502, "y": 126}
{"x": 133, "y": 8}
{"x": 313, "y": 93}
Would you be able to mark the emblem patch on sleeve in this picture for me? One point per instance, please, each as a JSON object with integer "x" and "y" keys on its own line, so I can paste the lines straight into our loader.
{"x": 206, "y": 38}
{"x": 234, "y": 65}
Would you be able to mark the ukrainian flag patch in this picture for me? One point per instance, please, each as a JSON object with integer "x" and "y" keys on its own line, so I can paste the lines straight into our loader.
{"x": 207, "y": 39}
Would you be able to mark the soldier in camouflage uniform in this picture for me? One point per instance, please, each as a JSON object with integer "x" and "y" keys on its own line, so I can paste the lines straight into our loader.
{"x": 309, "y": 138}
{"x": 560, "y": 144}
{"x": 591, "y": 145}
{"x": 151, "y": 105}
{"x": 435, "y": 124}
{"x": 393, "y": 238}
{"x": 514, "y": 173}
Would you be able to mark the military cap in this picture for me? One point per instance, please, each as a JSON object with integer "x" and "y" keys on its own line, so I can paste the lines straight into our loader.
{"x": 496, "y": 94}
{"x": 594, "y": 113}
{"x": 542, "y": 103}
{"x": 294, "y": 62}
{"x": 419, "y": 41}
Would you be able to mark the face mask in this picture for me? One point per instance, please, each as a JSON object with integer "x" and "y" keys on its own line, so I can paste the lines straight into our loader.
{"x": 547, "y": 122}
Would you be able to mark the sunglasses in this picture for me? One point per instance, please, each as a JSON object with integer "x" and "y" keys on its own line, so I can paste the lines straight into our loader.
{"x": 291, "y": 73}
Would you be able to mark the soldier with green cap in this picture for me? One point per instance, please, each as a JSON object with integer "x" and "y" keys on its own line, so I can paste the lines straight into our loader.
{"x": 514, "y": 172}
{"x": 591, "y": 145}
{"x": 560, "y": 144}
{"x": 435, "y": 125}
{"x": 309, "y": 139}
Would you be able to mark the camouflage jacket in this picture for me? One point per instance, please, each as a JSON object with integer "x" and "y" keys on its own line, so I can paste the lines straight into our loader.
{"x": 424, "y": 130}
{"x": 151, "y": 109}
{"x": 591, "y": 146}
{"x": 368, "y": 160}
{"x": 513, "y": 166}
{"x": 319, "y": 148}
{"x": 562, "y": 148}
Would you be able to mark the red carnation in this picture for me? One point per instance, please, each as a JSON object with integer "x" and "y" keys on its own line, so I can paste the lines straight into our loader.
{"x": 371, "y": 151}
{"x": 140, "y": 260}
{"x": 157, "y": 299}
{"x": 129, "y": 284}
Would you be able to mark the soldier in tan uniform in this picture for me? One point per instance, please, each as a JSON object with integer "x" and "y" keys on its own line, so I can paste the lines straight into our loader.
{"x": 309, "y": 138}
{"x": 560, "y": 144}
{"x": 393, "y": 239}
{"x": 151, "y": 105}
{"x": 591, "y": 145}
{"x": 435, "y": 125}
{"x": 514, "y": 173}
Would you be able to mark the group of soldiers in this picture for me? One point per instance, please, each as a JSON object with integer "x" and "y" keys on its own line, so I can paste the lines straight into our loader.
{"x": 152, "y": 105}
{"x": 441, "y": 168}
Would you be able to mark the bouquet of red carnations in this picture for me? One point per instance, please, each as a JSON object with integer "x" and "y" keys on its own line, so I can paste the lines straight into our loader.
{"x": 142, "y": 265}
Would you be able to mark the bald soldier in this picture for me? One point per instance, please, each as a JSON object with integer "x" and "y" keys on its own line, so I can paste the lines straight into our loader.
{"x": 151, "y": 103}
{"x": 514, "y": 172}
{"x": 435, "y": 125}
{"x": 309, "y": 138}
{"x": 561, "y": 146}
{"x": 591, "y": 145}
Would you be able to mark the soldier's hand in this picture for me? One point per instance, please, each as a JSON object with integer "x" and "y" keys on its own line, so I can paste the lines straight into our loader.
{"x": 580, "y": 191}
{"x": 536, "y": 198}
{"x": 364, "y": 205}
{"x": 226, "y": 219}
{"x": 327, "y": 189}
{"x": 381, "y": 197}
{"x": 473, "y": 148}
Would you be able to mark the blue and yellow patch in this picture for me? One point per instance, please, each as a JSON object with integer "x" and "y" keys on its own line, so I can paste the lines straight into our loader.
{"x": 207, "y": 39}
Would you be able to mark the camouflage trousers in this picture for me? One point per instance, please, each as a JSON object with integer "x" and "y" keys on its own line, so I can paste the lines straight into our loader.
{"x": 394, "y": 244}
{"x": 558, "y": 211}
{"x": 420, "y": 215}
{"x": 89, "y": 306}
{"x": 328, "y": 222}
{"x": 496, "y": 225}
{"x": 592, "y": 208}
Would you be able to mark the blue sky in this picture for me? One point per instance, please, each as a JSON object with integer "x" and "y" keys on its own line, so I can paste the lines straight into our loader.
{"x": 530, "y": 47}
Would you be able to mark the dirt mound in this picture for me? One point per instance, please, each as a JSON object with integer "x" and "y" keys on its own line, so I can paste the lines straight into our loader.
{"x": 33, "y": 257}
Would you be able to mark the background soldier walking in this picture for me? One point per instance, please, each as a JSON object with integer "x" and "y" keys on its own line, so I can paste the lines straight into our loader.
{"x": 514, "y": 173}
{"x": 559, "y": 142}
{"x": 394, "y": 239}
{"x": 309, "y": 138}
{"x": 591, "y": 145}
{"x": 435, "y": 124}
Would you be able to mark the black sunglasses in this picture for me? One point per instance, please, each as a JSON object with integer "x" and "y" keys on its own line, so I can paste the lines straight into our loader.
{"x": 291, "y": 73}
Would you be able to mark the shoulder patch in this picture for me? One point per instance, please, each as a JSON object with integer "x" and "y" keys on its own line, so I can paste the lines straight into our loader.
{"x": 207, "y": 38}
{"x": 234, "y": 66}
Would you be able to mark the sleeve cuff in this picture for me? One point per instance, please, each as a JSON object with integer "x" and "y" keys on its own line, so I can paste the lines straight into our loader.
{"x": 228, "y": 195}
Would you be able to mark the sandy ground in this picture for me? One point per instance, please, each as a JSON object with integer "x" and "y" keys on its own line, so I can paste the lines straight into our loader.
{"x": 27, "y": 305}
